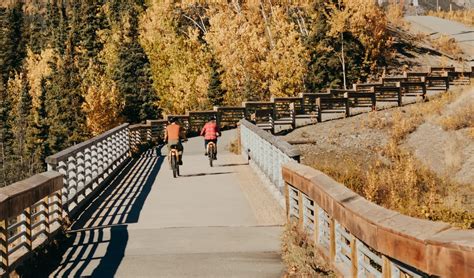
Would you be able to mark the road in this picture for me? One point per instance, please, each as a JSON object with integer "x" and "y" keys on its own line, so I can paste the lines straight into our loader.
{"x": 436, "y": 26}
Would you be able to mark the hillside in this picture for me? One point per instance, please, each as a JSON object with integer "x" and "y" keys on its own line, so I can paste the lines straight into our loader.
{"x": 417, "y": 159}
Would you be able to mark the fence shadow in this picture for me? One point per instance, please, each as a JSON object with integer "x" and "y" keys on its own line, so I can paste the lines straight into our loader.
{"x": 95, "y": 244}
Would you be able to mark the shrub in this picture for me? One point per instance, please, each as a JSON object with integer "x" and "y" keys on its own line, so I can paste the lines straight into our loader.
{"x": 463, "y": 16}
{"x": 299, "y": 254}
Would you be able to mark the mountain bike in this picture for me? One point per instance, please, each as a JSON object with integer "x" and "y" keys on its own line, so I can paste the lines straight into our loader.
{"x": 173, "y": 160}
{"x": 211, "y": 152}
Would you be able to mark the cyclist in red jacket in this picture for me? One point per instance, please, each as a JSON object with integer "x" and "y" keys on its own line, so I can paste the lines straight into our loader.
{"x": 210, "y": 131}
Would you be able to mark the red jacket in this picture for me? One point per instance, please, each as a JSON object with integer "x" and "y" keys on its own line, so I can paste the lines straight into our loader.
{"x": 210, "y": 131}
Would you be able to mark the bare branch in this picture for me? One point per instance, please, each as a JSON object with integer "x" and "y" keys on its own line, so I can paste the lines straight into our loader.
{"x": 203, "y": 29}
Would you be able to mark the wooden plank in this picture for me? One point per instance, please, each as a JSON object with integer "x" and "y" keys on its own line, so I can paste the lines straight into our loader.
{"x": 4, "y": 262}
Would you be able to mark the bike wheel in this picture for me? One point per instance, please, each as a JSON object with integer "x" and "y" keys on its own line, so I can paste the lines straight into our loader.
{"x": 174, "y": 166}
{"x": 211, "y": 155}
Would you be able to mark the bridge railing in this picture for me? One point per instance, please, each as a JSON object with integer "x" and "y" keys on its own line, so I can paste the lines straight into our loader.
{"x": 267, "y": 152}
{"x": 30, "y": 214}
{"x": 86, "y": 165}
{"x": 362, "y": 239}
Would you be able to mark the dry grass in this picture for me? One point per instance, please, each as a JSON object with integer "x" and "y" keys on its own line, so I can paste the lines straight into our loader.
{"x": 395, "y": 14}
{"x": 396, "y": 180}
{"x": 463, "y": 117}
{"x": 463, "y": 16}
{"x": 234, "y": 146}
{"x": 299, "y": 256}
{"x": 447, "y": 45}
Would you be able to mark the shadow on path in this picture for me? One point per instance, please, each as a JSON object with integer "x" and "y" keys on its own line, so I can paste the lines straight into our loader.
{"x": 232, "y": 164}
{"x": 205, "y": 174}
{"x": 95, "y": 244}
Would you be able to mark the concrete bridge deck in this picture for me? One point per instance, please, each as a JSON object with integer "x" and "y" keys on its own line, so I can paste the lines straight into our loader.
{"x": 210, "y": 222}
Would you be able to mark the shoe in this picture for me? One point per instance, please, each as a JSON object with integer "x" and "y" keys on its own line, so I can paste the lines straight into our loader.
{"x": 180, "y": 162}
{"x": 205, "y": 154}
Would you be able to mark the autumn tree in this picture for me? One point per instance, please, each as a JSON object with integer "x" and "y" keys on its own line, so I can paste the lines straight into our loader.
{"x": 260, "y": 51}
{"x": 179, "y": 62}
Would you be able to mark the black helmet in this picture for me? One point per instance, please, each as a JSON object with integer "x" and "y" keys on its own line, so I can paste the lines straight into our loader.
{"x": 212, "y": 118}
{"x": 172, "y": 120}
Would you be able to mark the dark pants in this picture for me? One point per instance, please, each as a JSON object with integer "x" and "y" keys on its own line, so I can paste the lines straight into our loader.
{"x": 207, "y": 142}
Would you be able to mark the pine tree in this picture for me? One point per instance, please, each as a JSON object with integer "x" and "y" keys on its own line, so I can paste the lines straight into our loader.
{"x": 5, "y": 108}
{"x": 215, "y": 91}
{"x": 37, "y": 144}
{"x": 36, "y": 34}
{"x": 58, "y": 25}
{"x": 21, "y": 121}
{"x": 132, "y": 76}
{"x": 92, "y": 20}
{"x": 325, "y": 65}
{"x": 12, "y": 43}
{"x": 64, "y": 103}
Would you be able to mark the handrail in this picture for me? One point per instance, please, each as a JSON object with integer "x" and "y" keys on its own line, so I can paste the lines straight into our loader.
{"x": 359, "y": 237}
{"x": 30, "y": 214}
{"x": 267, "y": 153}
{"x": 87, "y": 165}
{"x": 55, "y": 158}
{"x": 279, "y": 143}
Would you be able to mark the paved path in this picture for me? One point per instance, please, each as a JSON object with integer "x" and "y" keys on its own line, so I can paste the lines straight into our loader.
{"x": 436, "y": 26}
{"x": 211, "y": 222}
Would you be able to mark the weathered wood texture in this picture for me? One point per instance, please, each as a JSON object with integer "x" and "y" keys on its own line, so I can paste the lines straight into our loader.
{"x": 30, "y": 214}
{"x": 434, "y": 248}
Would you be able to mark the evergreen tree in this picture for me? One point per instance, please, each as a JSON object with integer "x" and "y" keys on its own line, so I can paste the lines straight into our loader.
{"x": 215, "y": 92}
{"x": 58, "y": 25}
{"x": 325, "y": 66}
{"x": 67, "y": 123}
{"x": 37, "y": 144}
{"x": 132, "y": 76}
{"x": 5, "y": 123}
{"x": 92, "y": 19}
{"x": 12, "y": 43}
{"x": 21, "y": 121}
{"x": 36, "y": 34}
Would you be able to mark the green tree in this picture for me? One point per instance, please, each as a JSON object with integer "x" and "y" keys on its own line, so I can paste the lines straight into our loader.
{"x": 12, "y": 42}
{"x": 325, "y": 63}
{"x": 20, "y": 119}
{"x": 132, "y": 75}
{"x": 37, "y": 144}
{"x": 5, "y": 108}
{"x": 215, "y": 92}
{"x": 64, "y": 102}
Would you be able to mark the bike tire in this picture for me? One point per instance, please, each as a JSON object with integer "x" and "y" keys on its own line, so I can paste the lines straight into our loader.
{"x": 211, "y": 155}
{"x": 174, "y": 165}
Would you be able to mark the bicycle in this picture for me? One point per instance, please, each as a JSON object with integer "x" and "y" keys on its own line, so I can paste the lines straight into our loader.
{"x": 173, "y": 160}
{"x": 211, "y": 152}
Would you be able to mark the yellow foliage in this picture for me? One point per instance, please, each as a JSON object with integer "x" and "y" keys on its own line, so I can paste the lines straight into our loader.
{"x": 260, "y": 52}
{"x": 102, "y": 104}
{"x": 366, "y": 21}
{"x": 37, "y": 67}
{"x": 179, "y": 63}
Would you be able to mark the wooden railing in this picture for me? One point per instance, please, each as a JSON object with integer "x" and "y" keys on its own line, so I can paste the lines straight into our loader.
{"x": 286, "y": 113}
{"x": 30, "y": 214}
{"x": 362, "y": 239}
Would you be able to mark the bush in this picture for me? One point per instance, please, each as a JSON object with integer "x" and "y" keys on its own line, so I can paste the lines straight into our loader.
{"x": 299, "y": 254}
